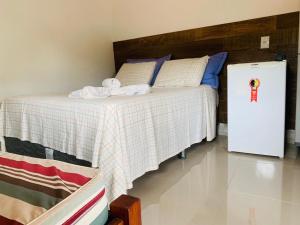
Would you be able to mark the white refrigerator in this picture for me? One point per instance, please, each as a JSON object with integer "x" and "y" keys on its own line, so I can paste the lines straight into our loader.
{"x": 256, "y": 108}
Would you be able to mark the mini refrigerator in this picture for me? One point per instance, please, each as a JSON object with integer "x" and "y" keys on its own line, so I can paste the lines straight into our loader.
{"x": 256, "y": 108}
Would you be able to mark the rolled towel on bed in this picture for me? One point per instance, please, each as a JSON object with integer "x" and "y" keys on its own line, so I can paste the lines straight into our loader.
{"x": 90, "y": 92}
{"x": 111, "y": 83}
{"x": 139, "y": 89}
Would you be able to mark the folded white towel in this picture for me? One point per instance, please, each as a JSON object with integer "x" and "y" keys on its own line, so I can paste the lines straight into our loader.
{"x": 139, "y": 89}
{"x": 111, "y": 83}
{"x": 90, "y": 92}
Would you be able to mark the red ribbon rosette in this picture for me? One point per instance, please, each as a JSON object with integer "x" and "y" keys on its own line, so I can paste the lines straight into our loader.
{"x": 254, "y": 84}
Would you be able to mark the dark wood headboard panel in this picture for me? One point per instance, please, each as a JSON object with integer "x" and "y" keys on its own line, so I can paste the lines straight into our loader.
{"x": 241, "y": 40}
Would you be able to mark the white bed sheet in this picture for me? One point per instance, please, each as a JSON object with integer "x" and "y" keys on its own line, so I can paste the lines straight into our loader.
{"x": 124, "y": 136}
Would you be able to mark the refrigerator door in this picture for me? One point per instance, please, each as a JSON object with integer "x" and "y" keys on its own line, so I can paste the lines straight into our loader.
{"x": 256, "y": 115}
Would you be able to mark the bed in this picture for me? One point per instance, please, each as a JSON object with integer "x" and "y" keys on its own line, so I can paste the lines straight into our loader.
{"x": 124, "y": 136}
{"x": 40, "y": 191}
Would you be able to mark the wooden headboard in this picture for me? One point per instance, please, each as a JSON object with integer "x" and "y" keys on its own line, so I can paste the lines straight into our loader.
{"x": 240, "y": 39}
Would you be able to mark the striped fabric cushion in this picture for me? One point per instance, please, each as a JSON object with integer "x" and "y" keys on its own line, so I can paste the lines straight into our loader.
{"x": 39, "y": 191}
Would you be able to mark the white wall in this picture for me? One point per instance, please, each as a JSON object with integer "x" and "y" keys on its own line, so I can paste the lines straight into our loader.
{"x": 51, "y": 46}
{"x": 138, "y": 18}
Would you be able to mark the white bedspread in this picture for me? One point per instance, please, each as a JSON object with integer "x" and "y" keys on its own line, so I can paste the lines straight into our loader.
{"x": 124, "y": 136}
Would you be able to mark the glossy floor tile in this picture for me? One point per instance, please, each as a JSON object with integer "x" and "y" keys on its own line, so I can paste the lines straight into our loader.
{"x": 214, "y": 187}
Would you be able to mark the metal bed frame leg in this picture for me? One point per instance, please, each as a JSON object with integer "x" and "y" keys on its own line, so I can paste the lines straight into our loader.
{"x": 182, "y": 155}
{"x": 2, "y": 145}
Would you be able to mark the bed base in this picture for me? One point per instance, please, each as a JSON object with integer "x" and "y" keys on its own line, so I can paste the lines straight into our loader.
{"x": 125, "y": 210}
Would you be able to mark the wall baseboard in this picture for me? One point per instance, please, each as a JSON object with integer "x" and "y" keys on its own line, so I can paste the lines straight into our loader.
{"x": 222, "y": 129}
{"x": 289, "y": 135}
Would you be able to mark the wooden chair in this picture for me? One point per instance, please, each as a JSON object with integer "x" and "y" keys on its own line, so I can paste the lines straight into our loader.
{"x": 125, "y": 210}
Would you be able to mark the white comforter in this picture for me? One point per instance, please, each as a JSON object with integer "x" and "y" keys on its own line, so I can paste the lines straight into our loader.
{"x": 124, "y": 136}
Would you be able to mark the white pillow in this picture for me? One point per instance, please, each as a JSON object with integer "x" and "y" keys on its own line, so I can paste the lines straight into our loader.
{"x": 136, "y": 73}
{"x": 182, "y": 73}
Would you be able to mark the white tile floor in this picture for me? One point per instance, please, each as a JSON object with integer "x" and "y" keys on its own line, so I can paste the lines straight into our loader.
{"x": 213, "y": 187}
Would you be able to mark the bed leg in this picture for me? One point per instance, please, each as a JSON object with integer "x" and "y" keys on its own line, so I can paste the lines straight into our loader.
{"x": 128, "y": 209}
{"x": 182, "y": 155}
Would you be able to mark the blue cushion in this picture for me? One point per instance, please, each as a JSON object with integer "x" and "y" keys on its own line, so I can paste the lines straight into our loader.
{"x": 159, "y": 63}
{"x": 213, "y": 68}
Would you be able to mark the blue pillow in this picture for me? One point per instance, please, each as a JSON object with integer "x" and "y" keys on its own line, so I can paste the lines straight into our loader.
{"x": 159, "y": 63}
{"x": 213, "y": 68}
